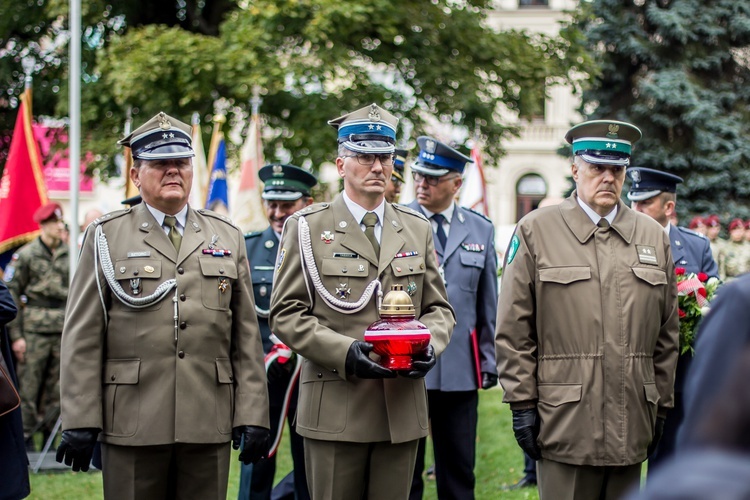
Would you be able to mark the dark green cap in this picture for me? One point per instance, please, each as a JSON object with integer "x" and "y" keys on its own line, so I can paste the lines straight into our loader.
{"x": 286, "y": 182}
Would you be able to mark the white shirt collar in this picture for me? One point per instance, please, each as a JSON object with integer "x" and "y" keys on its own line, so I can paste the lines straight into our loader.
{"x": 595, "y": 217}
{"x": 447, "y": 213}
{"x": 358, "y": 212}
{"x": 668, "y": 228}
{"x": 181, "y": 216}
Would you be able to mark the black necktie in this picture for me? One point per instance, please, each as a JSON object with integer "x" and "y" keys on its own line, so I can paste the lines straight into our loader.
{"x": 370, "y": 220}
{"x": 440, "y": 232}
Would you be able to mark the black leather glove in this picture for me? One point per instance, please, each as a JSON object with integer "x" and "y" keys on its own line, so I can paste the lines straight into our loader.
{"x": 658, "y": 431}
{"x": 422, "y": 363}
{"x": 489, "y": 380}
{"x": 359, "y": 364}
{"x": 256, "y": 439}
{"x": 526, "y": 430}
{"x": 77, "y": 447}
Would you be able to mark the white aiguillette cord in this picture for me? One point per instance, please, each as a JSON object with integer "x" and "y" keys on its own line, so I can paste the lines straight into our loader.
{"x": 308, "y": 261}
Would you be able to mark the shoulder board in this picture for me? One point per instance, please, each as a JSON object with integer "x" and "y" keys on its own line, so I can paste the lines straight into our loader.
{"x": 253, "y": 234}
{"x": 692, "y": 233}
{"x": 211, "y": 213}
{"x": 479, "y": 214}
{"x": 111, "y": 216}
{"x": 317, "y": 207}
{"x": 407, "y": 210}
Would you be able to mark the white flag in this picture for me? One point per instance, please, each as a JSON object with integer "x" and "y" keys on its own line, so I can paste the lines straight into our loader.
{"x": 247, "y": 210}
{"x": 200, "y": 168}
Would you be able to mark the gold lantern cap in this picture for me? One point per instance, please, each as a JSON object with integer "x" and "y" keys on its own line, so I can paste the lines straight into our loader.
{"x": 397, "y": 303}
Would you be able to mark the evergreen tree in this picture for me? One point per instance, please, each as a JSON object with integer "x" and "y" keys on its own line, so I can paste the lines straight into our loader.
{"x": 680, "y": 71}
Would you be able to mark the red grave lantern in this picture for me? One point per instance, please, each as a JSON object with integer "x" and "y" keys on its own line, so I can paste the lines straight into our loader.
{"x": 397, "y": 336}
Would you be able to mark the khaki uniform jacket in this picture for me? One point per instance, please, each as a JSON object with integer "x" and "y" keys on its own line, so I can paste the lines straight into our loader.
{"x": 143, "y": 376}
{"x": 587, "y": 328}
{"x": 42, "y": 276}
{"x": 332, "y": 406}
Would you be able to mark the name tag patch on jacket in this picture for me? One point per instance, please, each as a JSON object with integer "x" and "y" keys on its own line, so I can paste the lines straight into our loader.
{"x": 132, "y": 255}
{"x": 646, "y": 254}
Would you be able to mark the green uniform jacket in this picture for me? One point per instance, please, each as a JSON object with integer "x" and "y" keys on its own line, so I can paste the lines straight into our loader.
{"x": 137, "y": 377}
{"x": 42, "y": 276}
{"x": 331, "y": 405}
{"x": 587, "y": 327}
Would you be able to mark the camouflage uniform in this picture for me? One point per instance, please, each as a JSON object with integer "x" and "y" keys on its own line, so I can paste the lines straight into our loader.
{"x": 42, "y": 276}
{"x": 718, "y": 253}
{"x": 736, "y": 258}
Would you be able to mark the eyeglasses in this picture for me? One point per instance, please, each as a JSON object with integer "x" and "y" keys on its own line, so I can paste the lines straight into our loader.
{"x": 395, "y": 180}
{"x": 386, "y": 159}
{"x": 431, "y": 180}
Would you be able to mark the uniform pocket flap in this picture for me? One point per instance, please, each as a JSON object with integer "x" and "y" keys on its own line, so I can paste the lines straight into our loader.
{"x": 404, "y": 266}
{"x": 122, "y": 371}
{"x": 218, "y": 266}
{"x": 558, "y": 394}
{"x": 315, "y": 373}
{"x": 565, "y": 275}
{"x": 224, "y": 371}
{"x": 472, "y": 259}
{"x": 345, "y": 267}
{"x": 137, "y": 268}
{"x": 651, "y": 392}
{"x": 651, "y": 276}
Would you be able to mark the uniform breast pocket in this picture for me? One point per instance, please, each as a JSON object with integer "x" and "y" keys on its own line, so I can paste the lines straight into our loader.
{"x": 653, "y": 277}
{"x": 346, "y": 279}
{"x": 139, "y": 278}
{"x": 219, "y": 275}
{"x": 409, "y": 272}
{"x": 262, "y": 283}
{"x": 472, "y": 264}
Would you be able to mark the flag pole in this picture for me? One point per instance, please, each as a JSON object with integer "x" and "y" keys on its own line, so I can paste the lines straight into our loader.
{"x": 74, "y": 137}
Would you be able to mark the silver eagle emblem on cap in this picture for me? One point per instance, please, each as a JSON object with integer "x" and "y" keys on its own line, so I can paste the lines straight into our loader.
{"x": 429, "y": 146}
{"x": 636, "y": 176}
{"x": 613, "y": 129}
{"x": 374, "y": 114}
{"x": 164, "y": 123}
{"x": 278, "y": 170}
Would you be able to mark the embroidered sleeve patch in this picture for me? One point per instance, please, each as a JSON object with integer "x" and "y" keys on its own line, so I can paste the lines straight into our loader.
{"x": 514, "y": 244}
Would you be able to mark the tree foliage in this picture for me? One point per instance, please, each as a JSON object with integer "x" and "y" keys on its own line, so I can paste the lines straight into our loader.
{"x": 679, "y": 70}
{"x": 430, "y": 62}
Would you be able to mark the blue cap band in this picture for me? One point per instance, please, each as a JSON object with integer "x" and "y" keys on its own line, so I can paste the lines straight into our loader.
{"x": 442, "y": 161}
{"x": 365, "y": 128}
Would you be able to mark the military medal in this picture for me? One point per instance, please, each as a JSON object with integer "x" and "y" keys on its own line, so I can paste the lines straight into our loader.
{"x": 148, "y": 269}
{"x": 135, "y": 286}
{"x": 343, "y": 291}
{"x": 472, "y": 247}
{"x": 411, "y": 288}
{"x": 223, "y": 284}
{"x": 326, "y": 237}
{"x": 361, "y": 268}
{"x": 401, "y": 255}
{"x": 214, "y": 239}
{"x": 217, "y": 252}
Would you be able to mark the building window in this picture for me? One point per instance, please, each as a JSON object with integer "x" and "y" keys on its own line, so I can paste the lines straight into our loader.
{"x": 531, "y": 189}
{"x": 533, "y": 3}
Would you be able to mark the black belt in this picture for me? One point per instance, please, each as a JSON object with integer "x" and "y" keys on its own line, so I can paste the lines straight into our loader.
{"x": 46, "y": 303}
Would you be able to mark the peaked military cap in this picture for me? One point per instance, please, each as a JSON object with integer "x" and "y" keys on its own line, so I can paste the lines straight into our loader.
{"x": 160, "y": 138}
{"x": 399, "y": 164}
{"x": 48, "y": 211}
{"x": 285, "y": 182}
{"x": 647, "y": 183}
{"x": 132, "y": 201}
{"x": 604, "y": 142}
{"x": 371, "y": 129}
{"x": 437, "y": 159}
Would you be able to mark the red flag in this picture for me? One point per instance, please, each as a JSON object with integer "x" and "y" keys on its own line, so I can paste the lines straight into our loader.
{"x": 474, "y": 190}
{"x": 22, "y": 188}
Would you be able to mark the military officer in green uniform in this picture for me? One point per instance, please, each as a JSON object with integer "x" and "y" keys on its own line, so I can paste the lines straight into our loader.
{"x": 286, "y": 190}
{"x": 160, "y": 359}
{"x": 361, "y": 422}
{"x": 40, "y": 272}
